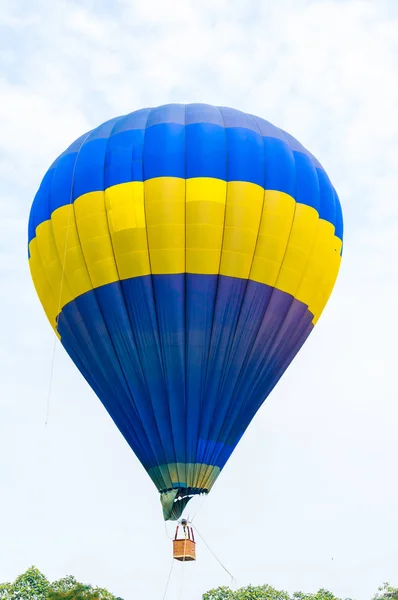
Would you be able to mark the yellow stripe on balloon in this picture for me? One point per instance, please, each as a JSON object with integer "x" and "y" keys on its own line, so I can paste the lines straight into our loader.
{"x": 205, "y": 215}
{"x": 298, "y": 249}
{"x": 43, "y": 289}
{"x": 95, "y": 239}
{"x": 63, "y": 230}
{"x": 273, "y": 236}
{"x": 170, "y": 225}
{"x": 328, "y": 276}
{"x": 125, "y": 205}
{"x": 242, "y": 221}
{"x": 165, "y": 222}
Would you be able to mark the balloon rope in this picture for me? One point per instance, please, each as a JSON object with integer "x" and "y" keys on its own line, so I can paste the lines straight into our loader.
{"x": 50, "y": 385}
{"x": 62, "y": 285}
{"x": 57, "y": 316}
{"x": 182, "y": 571}
{"x": 233, "y": 580}
{"x": 204, "y": 496}
{"x": 167, "y": 533}
{"x": 168, "y": 579}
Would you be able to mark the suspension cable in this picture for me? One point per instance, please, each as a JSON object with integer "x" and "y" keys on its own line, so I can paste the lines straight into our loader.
{"x": 50, "y": 386}
{"x": 233, "y": 580}
{"x": 168, "y": 579}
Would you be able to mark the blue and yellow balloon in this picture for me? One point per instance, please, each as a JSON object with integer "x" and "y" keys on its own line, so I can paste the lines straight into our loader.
{"x": 183, "y": 254}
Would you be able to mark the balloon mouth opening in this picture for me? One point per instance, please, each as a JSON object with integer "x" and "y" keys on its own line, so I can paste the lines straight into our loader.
{"x": 175, "y": 500}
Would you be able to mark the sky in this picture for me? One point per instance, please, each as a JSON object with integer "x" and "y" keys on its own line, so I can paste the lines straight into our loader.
{"x": 309, "y": 497}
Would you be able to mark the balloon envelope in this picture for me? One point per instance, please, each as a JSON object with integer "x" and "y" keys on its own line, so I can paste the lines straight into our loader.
{"x": 183, "y": 255}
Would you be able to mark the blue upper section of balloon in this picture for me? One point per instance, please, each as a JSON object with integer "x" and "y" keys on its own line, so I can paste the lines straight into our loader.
{"x": 249, "y": 139}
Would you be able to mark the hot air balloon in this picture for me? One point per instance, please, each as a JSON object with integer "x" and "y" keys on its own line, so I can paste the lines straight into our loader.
{"x": 183, "y": 255}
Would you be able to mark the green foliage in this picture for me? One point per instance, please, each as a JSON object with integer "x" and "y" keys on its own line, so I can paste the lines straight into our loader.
{"x": 320, "y": 595}
{"x": 33, "y": 585}
{"x": 386, "y": 592}
{"x": 221, "y": 593}
{"x": 70, "y": 589}
{"x": 265, "y": 592}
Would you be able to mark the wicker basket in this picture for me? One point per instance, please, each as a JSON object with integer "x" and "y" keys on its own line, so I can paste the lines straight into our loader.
{"x": 184, "y": 550}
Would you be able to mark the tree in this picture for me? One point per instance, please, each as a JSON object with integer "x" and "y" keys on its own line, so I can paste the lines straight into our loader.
{"x": 221, "y": 593}
{"x": 320, "y": 595}
{"x": 386, "y": 592}
{"x": 33, "y": 585}
{"x": 70, "y": 589}
{"x": 266, "y": 592}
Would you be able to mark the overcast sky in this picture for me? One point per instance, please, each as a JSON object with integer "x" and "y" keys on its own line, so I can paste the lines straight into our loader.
{"x": 321, "y": 506}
